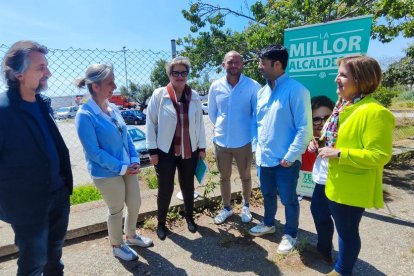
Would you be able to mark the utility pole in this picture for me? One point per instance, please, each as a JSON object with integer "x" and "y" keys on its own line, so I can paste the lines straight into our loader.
{"x": 126, "y": 70}
{"x": 173, "y": 50}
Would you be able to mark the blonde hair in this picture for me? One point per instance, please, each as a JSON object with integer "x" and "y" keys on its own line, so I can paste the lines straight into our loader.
{"x": 180, "y": 60}
{"x": 95, "y": 73}
{"x": 365, "y": 70}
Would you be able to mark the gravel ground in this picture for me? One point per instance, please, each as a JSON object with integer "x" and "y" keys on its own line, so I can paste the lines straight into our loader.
{"x": 387, "y": 244}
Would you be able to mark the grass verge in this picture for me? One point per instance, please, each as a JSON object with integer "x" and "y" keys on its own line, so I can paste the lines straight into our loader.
{"x": 84, "y": 193}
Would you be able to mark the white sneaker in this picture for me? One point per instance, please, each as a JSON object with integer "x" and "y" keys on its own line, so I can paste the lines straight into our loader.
{"x": 141, "y": 241}
{"x": 246, "y": 216}
{"x": 286, "y": 245}
{"x": 222, "y": 216}
{"x": 124, "y": 252}
{"x": 261, "y": 229}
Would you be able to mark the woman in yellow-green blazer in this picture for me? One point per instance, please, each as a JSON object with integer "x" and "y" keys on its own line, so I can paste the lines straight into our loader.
{"x": 358, "y": 143}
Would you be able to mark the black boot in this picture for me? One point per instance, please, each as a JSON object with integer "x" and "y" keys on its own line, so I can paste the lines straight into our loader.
{"x": 192, "y": 226}
{"x": 161, "y": 231}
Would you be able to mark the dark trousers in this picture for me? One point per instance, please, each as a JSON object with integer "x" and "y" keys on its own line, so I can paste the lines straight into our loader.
{"x": 167, "y": 164}
{"x": 40, "y": 245}
{"x": 347, "y": 219}
{"x": 323, "y": 221}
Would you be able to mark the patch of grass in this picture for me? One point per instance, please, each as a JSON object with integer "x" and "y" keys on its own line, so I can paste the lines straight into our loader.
{"x": 150, "y": 177}
{"x": 173, "y": 215}
{"x": 152, "y": 182}
{"x": 412, "y": 250}
{"x": 150, "y": 223}
{"x": 84, "y": 193}
{"x": 303, "y": 245}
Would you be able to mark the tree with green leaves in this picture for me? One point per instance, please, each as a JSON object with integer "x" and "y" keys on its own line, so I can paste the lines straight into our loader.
{"x": 268, "y": 20}
{"x": 402, "y": 71}
{"x": 201, "y": 85}
{"x": 139, "y": 93}
{"x": 158, "y": 76}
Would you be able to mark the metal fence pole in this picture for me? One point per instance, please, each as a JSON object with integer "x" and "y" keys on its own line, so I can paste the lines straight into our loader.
{"x": 173, "y": 49}
{"x": 126, "y": 70}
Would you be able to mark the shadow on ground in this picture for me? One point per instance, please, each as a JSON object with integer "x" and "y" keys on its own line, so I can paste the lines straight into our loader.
{"x": 400, "y": 176}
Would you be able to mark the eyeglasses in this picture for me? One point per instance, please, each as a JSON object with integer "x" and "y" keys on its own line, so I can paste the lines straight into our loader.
{"x": 118, "y": 126}
{"x": 178, "y": 73}
{"x": 317, "y": 121}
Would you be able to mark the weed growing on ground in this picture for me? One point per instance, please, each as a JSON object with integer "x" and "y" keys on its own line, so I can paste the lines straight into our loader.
{"x": 150, "y": 177}
{"x": 210, "y": 187}
{"x": 303, "y": 245}
{"x": 84, "y": 193}
{"x": 150, "y": 223}
{"x": 257, "y": 197}
{"x": 412, "y": 250}
{"x": 173, "y": 215}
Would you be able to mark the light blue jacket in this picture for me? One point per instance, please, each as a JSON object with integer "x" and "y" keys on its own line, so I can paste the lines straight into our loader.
{"x": 108, "y": 152}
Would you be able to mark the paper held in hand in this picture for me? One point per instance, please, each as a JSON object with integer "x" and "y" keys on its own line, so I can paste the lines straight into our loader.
{"x": 201, "y": 171}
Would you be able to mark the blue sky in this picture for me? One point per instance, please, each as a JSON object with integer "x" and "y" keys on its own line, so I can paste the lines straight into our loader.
{"x": 111, "y": 24}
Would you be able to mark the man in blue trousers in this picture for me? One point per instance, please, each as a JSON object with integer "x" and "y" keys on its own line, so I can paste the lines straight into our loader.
{"x": 284, "y": 126}
{"x": 35, "y": 172}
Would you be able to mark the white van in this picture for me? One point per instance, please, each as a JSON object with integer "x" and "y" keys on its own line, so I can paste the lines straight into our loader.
{"x": 66, "y": 112}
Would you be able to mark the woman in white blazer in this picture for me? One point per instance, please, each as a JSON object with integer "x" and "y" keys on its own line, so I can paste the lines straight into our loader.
{"x": 176, "y": 140}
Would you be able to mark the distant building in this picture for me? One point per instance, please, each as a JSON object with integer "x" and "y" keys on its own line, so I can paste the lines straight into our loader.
{"x": 63, "y": 101}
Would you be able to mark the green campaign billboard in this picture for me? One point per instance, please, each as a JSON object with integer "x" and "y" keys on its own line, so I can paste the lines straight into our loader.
{"x": 314, "y": 49}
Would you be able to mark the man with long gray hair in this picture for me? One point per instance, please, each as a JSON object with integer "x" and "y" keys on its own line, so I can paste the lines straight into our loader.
{"x": 35, "y": 172}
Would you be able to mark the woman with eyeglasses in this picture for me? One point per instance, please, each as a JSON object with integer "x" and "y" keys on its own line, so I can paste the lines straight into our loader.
{"x": 112, "y": 159}
{"x": 176, "y": 140}
{"x": 322, "y": 108}
{"x": 358, "y": 142}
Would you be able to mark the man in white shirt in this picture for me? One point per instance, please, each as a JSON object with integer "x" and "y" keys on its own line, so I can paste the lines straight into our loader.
{"x": 232, "y": 108}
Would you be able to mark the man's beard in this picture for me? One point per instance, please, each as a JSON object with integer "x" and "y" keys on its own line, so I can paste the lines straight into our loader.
{"x": 41, "y": 87}
{"x": 237, "y": 74}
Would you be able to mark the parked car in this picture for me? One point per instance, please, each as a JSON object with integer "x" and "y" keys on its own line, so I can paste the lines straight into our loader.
{"x": 66, "y": 112}
{"x": 204, "y": 107}
{"x": 138, "y": 137}
{"x": 134, "y": 117}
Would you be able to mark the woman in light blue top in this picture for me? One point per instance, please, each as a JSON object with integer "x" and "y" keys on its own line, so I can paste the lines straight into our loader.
{"x": 112, "y": 159}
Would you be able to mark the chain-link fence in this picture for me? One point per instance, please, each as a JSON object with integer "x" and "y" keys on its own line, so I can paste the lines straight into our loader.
{"x": 67, "y": 65}
{"x": 130, "y": 66}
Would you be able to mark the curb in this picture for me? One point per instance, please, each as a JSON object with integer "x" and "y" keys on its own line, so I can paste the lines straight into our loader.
{"x": 10, "y": 249}
{"x": 83, "y": 231}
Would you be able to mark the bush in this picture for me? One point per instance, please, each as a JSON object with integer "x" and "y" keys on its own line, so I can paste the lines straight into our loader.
{"x": 85, "y": 193}
{"x": 384, "y": 95}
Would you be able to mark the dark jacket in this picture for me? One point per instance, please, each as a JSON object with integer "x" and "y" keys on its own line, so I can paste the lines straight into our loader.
{"x": 24, "y": 163}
